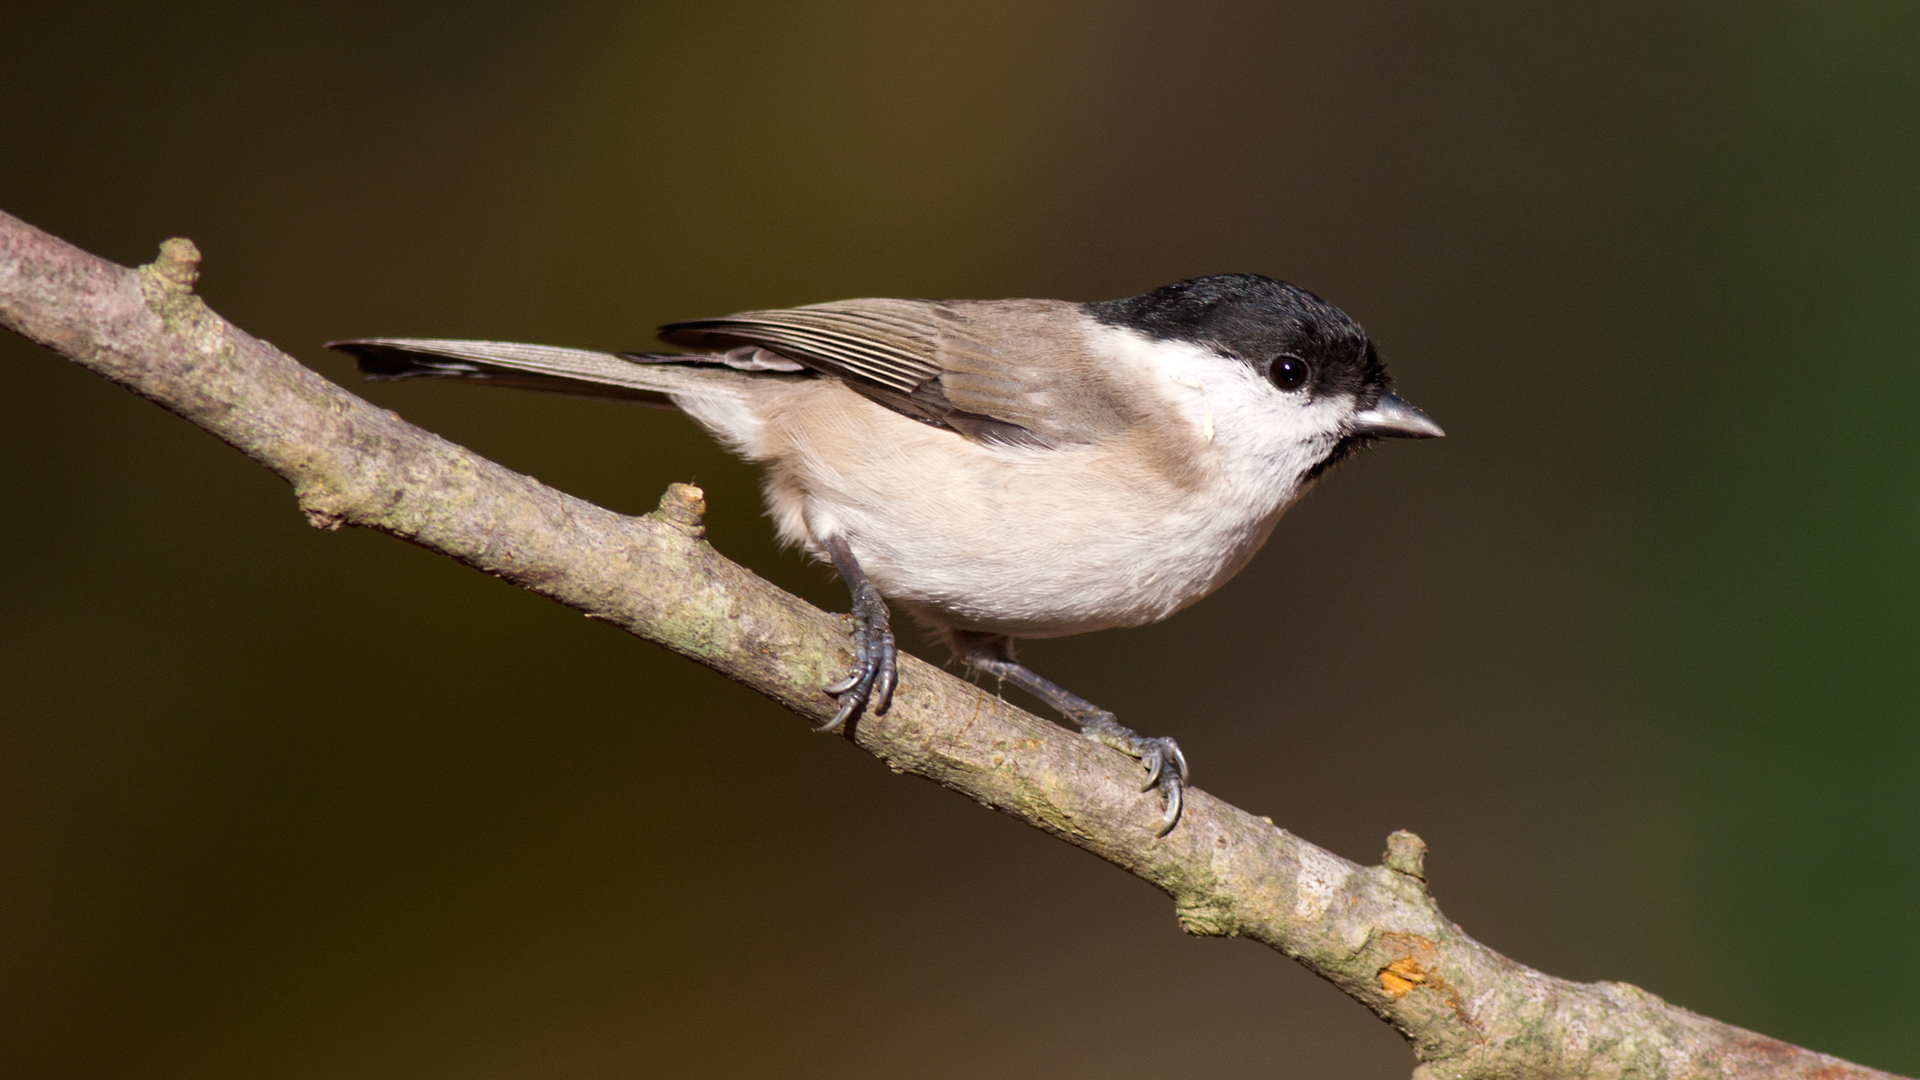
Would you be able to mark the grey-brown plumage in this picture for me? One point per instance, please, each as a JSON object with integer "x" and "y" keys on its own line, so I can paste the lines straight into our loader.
{"x": 1007, "y": 468}
{"x": 969, "y": 366}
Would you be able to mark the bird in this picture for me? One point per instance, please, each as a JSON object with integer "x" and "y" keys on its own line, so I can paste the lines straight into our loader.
{"x": 1003, "y": 469}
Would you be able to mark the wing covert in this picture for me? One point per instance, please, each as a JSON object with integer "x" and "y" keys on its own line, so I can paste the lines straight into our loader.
{"x": 1006, "y": 371}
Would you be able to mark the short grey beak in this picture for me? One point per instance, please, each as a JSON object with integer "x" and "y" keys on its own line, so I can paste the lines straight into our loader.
{"x": 1392, "y": 418}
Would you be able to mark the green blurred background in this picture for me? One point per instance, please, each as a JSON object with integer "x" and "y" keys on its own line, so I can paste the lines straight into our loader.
{"x": 1634, "y": 648}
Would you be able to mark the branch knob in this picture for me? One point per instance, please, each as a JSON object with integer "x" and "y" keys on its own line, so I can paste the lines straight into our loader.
{"x": 1407, "y": 854}
{"x": 683, "y": 507}
{"x": 178, "y": 266}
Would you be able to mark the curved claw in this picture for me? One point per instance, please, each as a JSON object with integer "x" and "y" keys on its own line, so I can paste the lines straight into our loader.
{"x": 1175, "y": 802}
{"x": 850, "y": 701}
{"x": 862, "y": 668}
{"x": 1166, "y": 766}
{"x": 1155, "y": 754}
{"x": 876, "y": 664}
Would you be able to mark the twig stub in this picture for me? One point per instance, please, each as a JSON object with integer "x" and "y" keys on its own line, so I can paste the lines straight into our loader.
{"x": 1407, "y": 854}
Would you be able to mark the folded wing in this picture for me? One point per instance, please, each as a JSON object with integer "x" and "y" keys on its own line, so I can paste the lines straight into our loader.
{"x": 1009, "y": 371}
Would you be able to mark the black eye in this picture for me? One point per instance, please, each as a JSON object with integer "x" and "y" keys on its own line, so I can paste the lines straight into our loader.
{"x": 1288, "y": 372}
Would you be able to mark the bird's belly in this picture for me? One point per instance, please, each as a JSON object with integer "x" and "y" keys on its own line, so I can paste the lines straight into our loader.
{"x": 1028, "y": 544}
{"x": 1034, "y": 578}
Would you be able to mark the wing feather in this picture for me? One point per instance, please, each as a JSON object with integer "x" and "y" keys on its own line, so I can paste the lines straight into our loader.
{"x": 1011, "y": 371}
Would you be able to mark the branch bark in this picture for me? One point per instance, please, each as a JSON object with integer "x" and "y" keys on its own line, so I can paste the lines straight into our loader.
{"x": 1373, "y": 931}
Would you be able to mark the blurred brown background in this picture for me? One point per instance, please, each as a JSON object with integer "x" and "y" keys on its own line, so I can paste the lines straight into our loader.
{"x": 1634, "y": 648}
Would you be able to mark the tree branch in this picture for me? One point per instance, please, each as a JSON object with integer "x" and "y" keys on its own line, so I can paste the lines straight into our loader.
{"x": 1372, "y": 931}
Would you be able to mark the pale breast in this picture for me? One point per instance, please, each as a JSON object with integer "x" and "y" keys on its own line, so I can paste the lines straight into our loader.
{"x": 1026, "y": 542}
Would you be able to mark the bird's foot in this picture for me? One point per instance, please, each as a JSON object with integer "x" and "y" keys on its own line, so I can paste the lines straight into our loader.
{"x": 1166, "y": 766}
{"x": 876, "y": 661}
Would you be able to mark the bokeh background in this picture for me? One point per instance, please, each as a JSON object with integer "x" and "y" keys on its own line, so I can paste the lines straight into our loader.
{"x": 1634, "y": 648}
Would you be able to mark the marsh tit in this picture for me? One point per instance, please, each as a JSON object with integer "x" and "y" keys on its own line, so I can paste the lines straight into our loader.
{"x": 1004, "y": 469}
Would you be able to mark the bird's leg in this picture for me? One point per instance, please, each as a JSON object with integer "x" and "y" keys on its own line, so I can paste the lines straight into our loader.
{"x": 875, "y": 658}
{"x": 1166, "y": 766}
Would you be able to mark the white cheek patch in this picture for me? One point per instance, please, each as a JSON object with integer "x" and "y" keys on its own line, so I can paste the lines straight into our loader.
{"x": 1230, "y": 405}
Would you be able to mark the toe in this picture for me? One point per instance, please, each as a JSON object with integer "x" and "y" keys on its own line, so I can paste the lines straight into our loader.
{"x": 876, "y": 672}
{"x": 1157, "y": 755}
{"x": 1156, "y": 763}
{"x": 887, "y": 677}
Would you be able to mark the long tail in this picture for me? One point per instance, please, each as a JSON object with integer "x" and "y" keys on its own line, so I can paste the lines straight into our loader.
{"x": 666, "y": 381}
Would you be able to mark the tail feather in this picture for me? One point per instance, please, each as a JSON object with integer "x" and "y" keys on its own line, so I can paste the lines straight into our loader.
{"x": 642, "y": 378}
